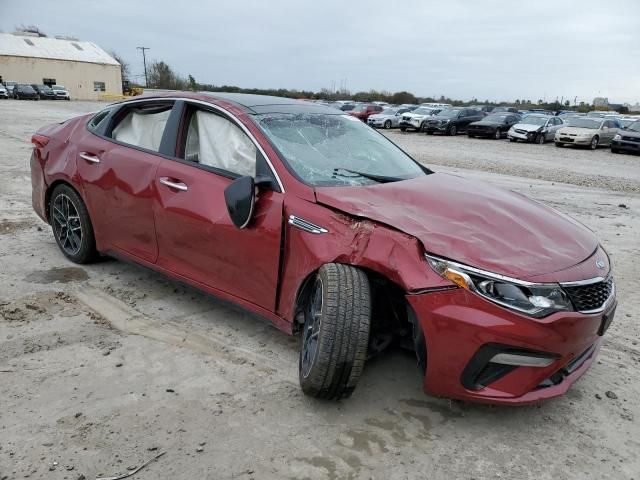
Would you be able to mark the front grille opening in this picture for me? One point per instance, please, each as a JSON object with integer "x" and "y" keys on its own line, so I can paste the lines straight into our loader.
{"x": 592, "y": 296}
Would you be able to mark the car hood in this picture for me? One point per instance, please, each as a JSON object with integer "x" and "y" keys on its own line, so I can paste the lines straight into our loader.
{"x": 529, "y": 127}
{"x": 629, "y": 133}
{"x": 471, "y": 222}
{"x": 577, "y": 130}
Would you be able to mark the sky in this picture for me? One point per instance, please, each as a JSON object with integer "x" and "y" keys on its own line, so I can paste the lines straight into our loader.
{"x": 500, "y": 50}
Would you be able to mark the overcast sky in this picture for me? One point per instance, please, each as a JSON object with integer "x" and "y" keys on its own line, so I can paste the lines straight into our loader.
{"x": 489, "y": 49}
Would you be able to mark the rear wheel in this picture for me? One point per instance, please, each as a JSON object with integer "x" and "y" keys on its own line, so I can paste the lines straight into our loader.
{"x": 337, "y": 316}
{"x": 594, "y": 143}
{"x": 71, "y": 225}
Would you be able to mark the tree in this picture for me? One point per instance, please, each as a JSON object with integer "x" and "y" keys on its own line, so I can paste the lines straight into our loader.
{"x": 31, "y": 29}
{"x": 403, "y": 97}
{"x": 162, "y": 76}
{"x": 567, "y": 103}
{"x": 124, "y": 65}
{"x": 193, "y": 85}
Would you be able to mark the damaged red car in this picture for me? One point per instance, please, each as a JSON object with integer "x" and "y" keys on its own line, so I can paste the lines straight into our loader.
{"x": 317, "y": 222}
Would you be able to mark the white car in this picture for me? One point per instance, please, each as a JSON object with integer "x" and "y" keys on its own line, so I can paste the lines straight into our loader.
{"x": 61, "y": 92}
{"x": 415, "y": 119}
{"x": 3, "y": 92}
{"x": 535, "y": 129}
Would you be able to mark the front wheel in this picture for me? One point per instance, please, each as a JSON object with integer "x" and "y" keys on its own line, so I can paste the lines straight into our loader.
{"x": 337, "y": 315}
{"x": 540, "y": 139}
{"x": 387, "y": 124}
{"x": 71, "y": 225}
{"x": 498, "y": 134}
{"x": 594, "y": 143}
{"x": 453, "y": 130}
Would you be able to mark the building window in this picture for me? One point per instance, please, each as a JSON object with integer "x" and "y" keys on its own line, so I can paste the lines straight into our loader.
{"x": 99, "y": 87}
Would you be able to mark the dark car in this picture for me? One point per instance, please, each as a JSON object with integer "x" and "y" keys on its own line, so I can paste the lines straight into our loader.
{"x": 495, "y": 125}
{"x": 22, "y": 91}
{"x": 45, "y": 92}
{"x": 452, "y": 120}
{"x": 505, "y": 109}
{"x": 483, "y": 108}
{"x": 347, "y": 107}
{"x": 364, "y": 111}
{"x": 323, "y": 226}
{"x": 627, "y": 139}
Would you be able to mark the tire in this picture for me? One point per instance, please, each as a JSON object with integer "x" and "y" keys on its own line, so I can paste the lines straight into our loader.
{"x": 594, "y": 143}
{"x": 336, "y": 332}
{"x": 558, "y": 144}
{"x": 452, "y": 131}
{"x": 422, "y": 127}
{"x": 403, "y": 129}
{"x": 540, "y": 139}
{"x": 498, "y": 134}
{"x": 387, "y": 124}
{"x": 68, "y": 211}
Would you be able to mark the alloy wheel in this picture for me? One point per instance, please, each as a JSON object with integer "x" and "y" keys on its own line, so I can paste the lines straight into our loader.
{"x": 66, "y": 224}
{"x": 387, "y": 124}
{"x": 594, "y": 143}
{"x": 312, "y": 324}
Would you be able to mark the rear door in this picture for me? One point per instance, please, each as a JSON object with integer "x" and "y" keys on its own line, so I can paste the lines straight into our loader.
{"x": 196, "y": 237}
{"x": 117, "y": 158}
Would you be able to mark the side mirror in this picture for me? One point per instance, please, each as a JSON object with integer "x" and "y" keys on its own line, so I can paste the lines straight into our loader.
{"x": 240, "y": 197}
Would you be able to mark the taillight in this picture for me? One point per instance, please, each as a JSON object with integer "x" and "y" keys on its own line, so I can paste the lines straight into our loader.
{"x": 40, "y": 141}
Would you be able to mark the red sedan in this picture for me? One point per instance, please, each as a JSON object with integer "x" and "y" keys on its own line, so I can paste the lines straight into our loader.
{"x": 320, "y": 224}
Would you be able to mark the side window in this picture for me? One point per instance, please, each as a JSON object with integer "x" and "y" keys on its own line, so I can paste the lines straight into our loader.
{"x": 98, "y": 118}
{"x": 214, "y": 141}
{"x": 142, "y": 126}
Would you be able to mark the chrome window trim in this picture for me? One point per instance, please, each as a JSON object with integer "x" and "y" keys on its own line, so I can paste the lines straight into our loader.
{"x": 306, "y": 225}
{"x": 220, "y": 109}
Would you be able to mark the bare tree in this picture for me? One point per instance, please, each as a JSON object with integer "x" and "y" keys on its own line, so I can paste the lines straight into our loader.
{"x": 124, "y": 65}
{"x": 162, "y": 76}
{"x": 31, "y": 29}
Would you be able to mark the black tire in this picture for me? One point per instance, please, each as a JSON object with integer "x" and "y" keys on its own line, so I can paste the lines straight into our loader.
{"x": 422, "y": 127}
{"x": 498, "y": 134}
{"x": 387, "y": 124}
{"x": 594, "y": 143}
{"x": 540, "y": 139}
{"x": 339, "y": 320}
{"x": 452, "y": 131}
{"x": 403, "y": 129}
{"x": 558, "y": 144}
{"x": 79, "y": 248}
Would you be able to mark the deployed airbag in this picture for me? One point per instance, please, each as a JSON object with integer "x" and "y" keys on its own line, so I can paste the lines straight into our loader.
{"x": 142, "y": 129}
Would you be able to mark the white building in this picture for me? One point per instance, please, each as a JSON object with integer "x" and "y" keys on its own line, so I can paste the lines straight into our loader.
{"x": 83, "y": 67}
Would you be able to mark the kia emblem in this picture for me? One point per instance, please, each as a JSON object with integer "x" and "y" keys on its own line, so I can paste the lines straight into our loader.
{"x": 600, "y": 264}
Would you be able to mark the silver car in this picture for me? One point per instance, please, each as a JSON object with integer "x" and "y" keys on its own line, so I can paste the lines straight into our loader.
{"x": 388, "y": 118}
{"x": 535, "y": 129}
{"x": 587, "y": 132}
{"x": 3, "y": 92}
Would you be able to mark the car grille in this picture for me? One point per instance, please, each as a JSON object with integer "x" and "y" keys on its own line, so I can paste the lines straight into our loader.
{"x": 592, "y": 296}
{"x": 522, "y": 132}
{"x": 631, "y": 139}
{"x": 566, "y": 139}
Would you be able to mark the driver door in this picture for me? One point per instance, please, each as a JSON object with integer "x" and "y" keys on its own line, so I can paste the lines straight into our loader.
{"x": 196, "y": 237}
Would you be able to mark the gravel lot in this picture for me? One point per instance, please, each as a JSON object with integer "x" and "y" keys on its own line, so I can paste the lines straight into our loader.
{"x": 102, "y": 367}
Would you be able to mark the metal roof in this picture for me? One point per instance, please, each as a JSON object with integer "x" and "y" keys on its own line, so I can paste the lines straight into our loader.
{"x": 53, "y": 49}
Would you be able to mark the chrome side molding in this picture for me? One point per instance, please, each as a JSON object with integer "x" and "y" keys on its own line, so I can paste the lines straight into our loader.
{"x": 303, "y": 224}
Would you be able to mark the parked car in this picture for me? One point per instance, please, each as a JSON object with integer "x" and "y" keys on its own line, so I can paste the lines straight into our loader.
{"x": 505, "y": 109}
{"x": 22, "y": 91}
{"x": 415, "y": 119}
{"x": 483, "y": 108}
{"x": 326, "y": 228}
{"x": 45, "y": 92}
{"x": 452, "y": 120}
{"x": 494, "y": 125}
{"x": 627, "y": 139}
{"x": 535, "y": 129}
{"x": 388, "y": 118}
{"x": 364, "y": 111}
{"x": 588, "y": 132}
{"x": 9, "y": 84}
{"x": 61, "y": 92}
{"x": 3, "y": 92}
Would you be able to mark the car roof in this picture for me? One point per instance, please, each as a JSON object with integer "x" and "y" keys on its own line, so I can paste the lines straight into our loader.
{"x": 256, "y": 104}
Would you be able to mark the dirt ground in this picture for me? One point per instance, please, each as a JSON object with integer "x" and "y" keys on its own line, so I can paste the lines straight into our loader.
{"x": 102, "y": 367}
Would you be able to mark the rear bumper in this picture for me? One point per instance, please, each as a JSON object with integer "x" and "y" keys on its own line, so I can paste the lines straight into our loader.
{"x": 625, "y": 145}
{"x": 457, "y": 324}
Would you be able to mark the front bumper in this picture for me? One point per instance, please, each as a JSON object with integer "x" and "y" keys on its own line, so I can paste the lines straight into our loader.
{"x": 569, "y": 140}
{"x": 441, "y": 127}
{"x": 481, "y": 132}
{"x": 410, "y": 124}
{"x": 376, "y": 122}
{"x": 457, "y": 324}
{"x": 524, "y": 136}
{"x": 628, "y": 146}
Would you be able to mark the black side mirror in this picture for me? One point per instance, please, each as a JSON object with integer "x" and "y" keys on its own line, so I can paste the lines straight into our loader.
{"x": 240, "y": 197}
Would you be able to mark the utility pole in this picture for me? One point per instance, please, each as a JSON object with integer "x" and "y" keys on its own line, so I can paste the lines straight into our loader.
{"x": 144, "y": 61}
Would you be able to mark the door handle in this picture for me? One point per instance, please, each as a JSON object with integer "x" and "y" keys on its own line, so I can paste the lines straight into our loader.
{"x": 89, "y": 157}
{"x": 177, "y": 185}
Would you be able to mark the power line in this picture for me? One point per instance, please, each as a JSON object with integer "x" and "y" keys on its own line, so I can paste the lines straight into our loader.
{"x": 144, "y": 61}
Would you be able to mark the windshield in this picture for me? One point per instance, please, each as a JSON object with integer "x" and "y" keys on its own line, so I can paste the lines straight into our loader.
{"x": 58, "y": 87}
{"x": 635, "y": 126}
{"x": 450, "y": 113}
{"x": 389, "y": 111}
{"x": 531, "y": 120}
{"x": 360, "y": 108}
{"x": 582, "y": 122}
{"x": 423, "y": 111}
{"x": 336, "y": 149}
{"x": 495, "y": 118}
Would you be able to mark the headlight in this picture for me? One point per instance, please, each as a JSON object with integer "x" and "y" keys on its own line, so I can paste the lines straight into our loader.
{"x": 535, "y": 299}
{"x": 617, "y": 137}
